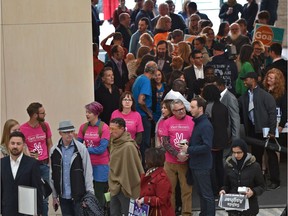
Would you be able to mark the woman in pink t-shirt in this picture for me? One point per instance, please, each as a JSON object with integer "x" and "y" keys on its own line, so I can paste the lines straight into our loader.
{"x": 166, "y": 113}
{"x": 95, "y": 134}
{"x": 127, "y": 111}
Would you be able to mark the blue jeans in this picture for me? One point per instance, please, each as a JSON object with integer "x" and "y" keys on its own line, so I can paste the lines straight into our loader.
{"x": 44, "y": 172}
{"x": 69, "y": 207}
{"x": 202, "y": 180}
{"x": 146, "y": 137}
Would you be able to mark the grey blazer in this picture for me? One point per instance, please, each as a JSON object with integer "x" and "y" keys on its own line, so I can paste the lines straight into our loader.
{"x": 231, "y": 102}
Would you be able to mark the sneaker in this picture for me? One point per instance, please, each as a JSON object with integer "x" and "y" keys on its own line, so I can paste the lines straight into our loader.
{"x": 273, "y": 186}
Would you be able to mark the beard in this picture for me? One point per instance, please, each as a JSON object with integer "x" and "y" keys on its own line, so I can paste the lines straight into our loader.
{"x": 15, "y": 152}
{"x": 161, "y": 55}
{"x": 234, "y": 36}
{"x": 40, "y": 119}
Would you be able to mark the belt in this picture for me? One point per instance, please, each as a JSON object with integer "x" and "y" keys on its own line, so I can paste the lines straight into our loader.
{"x": 45, "y": 161}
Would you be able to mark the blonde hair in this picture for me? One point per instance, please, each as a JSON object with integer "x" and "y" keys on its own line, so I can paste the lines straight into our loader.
{"x": 184, "y": 51}
{"x": 149, "y": 39}
{"x": 279, "y": 87}
{"x": 6, "y": 131}
{"x": 259, "y": 43}
{"x": 161, "y": 23}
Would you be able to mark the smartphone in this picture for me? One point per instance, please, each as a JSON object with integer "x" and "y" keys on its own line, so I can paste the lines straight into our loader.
{"x": 56, "y": 207}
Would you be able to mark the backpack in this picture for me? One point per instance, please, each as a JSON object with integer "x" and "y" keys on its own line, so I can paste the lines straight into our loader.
{"x": 100, "y": 127}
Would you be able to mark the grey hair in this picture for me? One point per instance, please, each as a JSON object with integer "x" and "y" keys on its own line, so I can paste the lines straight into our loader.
{"x": 176, "y": 101}
{"x": 151, "y": 67}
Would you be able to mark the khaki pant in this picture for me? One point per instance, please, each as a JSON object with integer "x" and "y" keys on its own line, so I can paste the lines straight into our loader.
{"x": 175, "y": 171}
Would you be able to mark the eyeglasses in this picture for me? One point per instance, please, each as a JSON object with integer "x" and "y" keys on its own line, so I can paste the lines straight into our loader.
{"x": 127, "y": 100}
{"x": 239, "y": 152}
{"x": 179, "y": 110}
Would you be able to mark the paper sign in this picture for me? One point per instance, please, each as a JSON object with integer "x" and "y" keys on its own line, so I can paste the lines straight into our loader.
{"x": 27, "y": 200}
{"x": 134, "y": 210}
{"x": 236, "y": 202}
{"x": 268, "y": 34}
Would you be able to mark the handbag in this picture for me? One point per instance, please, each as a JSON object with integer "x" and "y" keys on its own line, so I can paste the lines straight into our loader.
{"x": 46, "y": 189}
{"x": 155, "y": 211}
{"x": 272, "y": 146}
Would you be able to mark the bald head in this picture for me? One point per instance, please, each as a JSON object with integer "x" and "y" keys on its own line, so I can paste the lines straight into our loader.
{"x": 163, "y": 9}
{"x": 124, "y": 19}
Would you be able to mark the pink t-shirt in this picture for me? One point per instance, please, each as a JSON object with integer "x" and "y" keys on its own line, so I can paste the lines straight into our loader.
{"x": 91, "y": 139}
{"x": 35, "y": 139}
{"x": 160, "y": 131}
{"x": 177, "y": 130}
{"x": 133, "y": 121}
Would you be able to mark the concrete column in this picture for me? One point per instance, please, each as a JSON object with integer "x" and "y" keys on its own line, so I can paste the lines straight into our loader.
{"x": 282, "y": 18}
{"x": 46, "y": 56}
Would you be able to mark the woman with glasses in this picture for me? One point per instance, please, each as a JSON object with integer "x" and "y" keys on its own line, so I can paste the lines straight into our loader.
{"x": 210, "y": 39}
{"x": 258, "y": 58}
{"x": 242, "y": 170}
{"x": 127, "y": 111}
{"x": 95, "y": 135}
{"x": 193, "y": 28}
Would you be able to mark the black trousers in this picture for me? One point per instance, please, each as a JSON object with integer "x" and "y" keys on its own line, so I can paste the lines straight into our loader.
{"x": 258, "y": 151}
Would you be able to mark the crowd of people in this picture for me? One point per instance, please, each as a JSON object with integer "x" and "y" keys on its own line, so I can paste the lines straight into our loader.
{"x": 169, "y": 101}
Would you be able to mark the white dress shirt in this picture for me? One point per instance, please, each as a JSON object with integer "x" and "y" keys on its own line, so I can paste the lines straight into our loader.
{"x": 199, "y": 72}
{"x": 15, "y": 164}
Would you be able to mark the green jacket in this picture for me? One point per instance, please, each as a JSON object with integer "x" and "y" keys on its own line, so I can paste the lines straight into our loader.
{"x": 246, "y": 67}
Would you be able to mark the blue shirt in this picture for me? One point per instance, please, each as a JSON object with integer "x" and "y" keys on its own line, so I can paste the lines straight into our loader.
{"x": 142, "y": 85}
{"x": 67, "y": 153}
{"x": 100, "y": 172}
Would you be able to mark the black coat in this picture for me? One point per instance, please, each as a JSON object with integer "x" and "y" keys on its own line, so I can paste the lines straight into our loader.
{"x": 28, "y": 174}
{"x": 220, "y": 122}
{"x": 167, "y": 69}
{"x": 109, "y": 101}
{"x": 249, "y": 14}
{"x": 119, "y": 81}
{"x": 250, "y": 176}
{"x": 190, "y": 79}
{"x": 126, "y": 33}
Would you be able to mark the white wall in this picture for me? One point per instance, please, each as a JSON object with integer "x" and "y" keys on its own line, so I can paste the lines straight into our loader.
{"x": 46, "y": 54}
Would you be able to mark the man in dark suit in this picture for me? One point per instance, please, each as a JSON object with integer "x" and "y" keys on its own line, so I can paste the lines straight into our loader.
{"x": 18, "y": 169}
{"x": 96, "y": 22}
{"x": 275, "y": 53}
{"x": 162, "y": 58}
{"x": 123, "y": 28}
{"x": 194, "y": 72}
{"x": 118, "y": 66}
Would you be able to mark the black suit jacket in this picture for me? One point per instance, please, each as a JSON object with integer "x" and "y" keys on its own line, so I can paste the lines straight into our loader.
{"x": 167, "y": 69}
{"x": 126, "y": 33}
{"x": 190, "y": 78}
{"x": 28, "y": 174}
{"x": 119, "y": 80}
